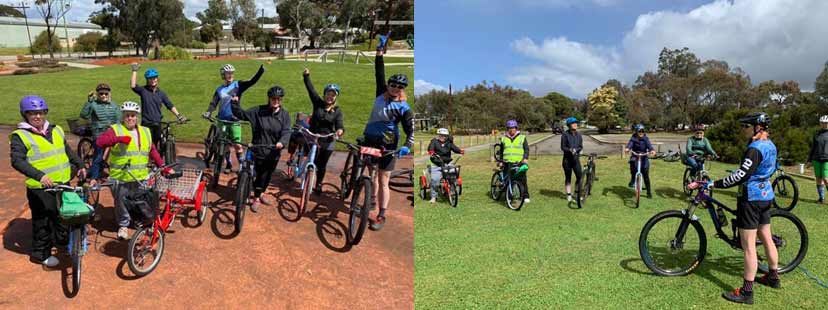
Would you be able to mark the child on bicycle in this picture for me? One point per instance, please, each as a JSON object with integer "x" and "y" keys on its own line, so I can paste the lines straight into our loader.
{"x": 40, "y": 152}
{"x": 697, "y": 148}
{"x": 640, "y": 143}
{"x": 571, "y": 145}
{"x": 753, "y": 205}
{"x": 442, "y": 147}
{"x": 515, "y": 150}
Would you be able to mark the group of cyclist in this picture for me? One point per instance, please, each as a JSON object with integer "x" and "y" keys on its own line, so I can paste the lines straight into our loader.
{"x": 39, "y": 149}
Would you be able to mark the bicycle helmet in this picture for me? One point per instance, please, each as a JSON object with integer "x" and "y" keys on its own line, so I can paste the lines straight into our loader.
{"x": 823, "y": 119}
{"x": 151, "y": 73}
{"x": 103, "y": 86}
{"x": 511, "y": 123}
{"x": 571, "y": 120}
{"x": 638, "y": 127}
{"x": 227, "y": 68}
{"x": 129, "y": 106}
{"x": 275, "y": 91}
{"x": 443, "y": 131}
{"x": 333, "y": 87}
{"x": 756, "y": 118}
{"x": 399, "y": 79}
{"x": 698, "y": 127}
{"x": 32, "y": 103}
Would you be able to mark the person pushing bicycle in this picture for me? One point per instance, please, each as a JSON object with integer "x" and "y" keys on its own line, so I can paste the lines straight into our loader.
{"x": 40, "y": 152}
{"x": 640, "y": 143}
{"x": 753, "y": 204}
{"x": 515, "y": 150}
{"x": 571, "y": 145}
{"x": 326, "y": 119}
{"x": 228, "y": 92}
{"x": 698, "y": 147}
{"x": 440, "y": 146}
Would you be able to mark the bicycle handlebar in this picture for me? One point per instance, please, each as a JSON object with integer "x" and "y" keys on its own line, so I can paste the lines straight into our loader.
{"x": 213, "y": 120}
{"x": 356, "y": 148}
{"x": 61, "y": 187}
{"x": 640, "y": 154}
{"x": 308, "y": 132}
{"x": 169, "y": 123}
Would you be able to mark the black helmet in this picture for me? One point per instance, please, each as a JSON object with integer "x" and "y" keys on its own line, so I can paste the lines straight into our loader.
{"x": 275, "y": 91}
{"x": 756, "y": 118}
{"x": 399, "y": 79}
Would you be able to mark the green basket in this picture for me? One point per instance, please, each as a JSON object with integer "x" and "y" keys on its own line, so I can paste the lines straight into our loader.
{"x": 73, "y": 209}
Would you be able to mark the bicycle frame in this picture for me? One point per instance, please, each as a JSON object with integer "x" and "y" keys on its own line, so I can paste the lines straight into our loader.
{"x": 312, "y": 140}
{"x": 638, "y": 160}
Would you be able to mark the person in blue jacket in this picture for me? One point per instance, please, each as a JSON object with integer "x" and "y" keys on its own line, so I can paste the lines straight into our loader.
{"x": 640, "y": 143}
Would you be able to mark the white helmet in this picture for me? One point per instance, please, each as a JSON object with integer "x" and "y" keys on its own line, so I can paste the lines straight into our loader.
{"x": 823, "y": 119}
{"x": 227, "y": 68}
{"x": 130, "y": 106}
{"x": 443, "y": 131}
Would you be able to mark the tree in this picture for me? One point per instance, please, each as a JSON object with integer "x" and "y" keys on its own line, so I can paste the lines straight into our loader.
{"x": 107, "y": 19}
{"x": 149, "y": 22}
{"x": 562, "y": 105}
{"x": 211, "y": 29}
{"x": 821, "y": 84}
{"x": 8, "y": 11}
{"x": 51, "y": 11}
{"x": 602, "y": 108}
{"x": 352, "y": 9}
{"x": 41, "y": 43}
{"x": 88, "y": 42}
{"x": 303, "y": 16}
{"x": 243, "y": 18}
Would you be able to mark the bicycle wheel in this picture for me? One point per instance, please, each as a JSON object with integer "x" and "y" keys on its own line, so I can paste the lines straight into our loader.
{"x": 581, "y": 189}
{"x": 358, "y": 215}
{"x": 402, "y": 178}
{"x": 786, "y": 192}
{"x": 423, "y": 187}
{"x": 452, "y": 195}
{"x": 669, "y": 247}
{"x": 218, "y": 159}
{"x": 685, "y": 181}
{"x": 86, "y": 152}
{"x": 496, "y": 188}
{"x": 638, "y": 180}
{"x": 345, "y": 178}
{"x": 290, "y": 169}
{"x": 514, "y": 196}
{"x": 307, "y": 187}
{"x": 144, "y": 255}
{"x": 209, "y": 145}
{"x": 169, "y": 152}
{"x": 242, "y": 193}
{"x": 77, "y": 239}
{"x": 791, "y": 239}
{"x": 202, "y": 209}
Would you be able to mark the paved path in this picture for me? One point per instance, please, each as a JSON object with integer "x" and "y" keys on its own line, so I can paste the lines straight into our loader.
{"x": 274, "y": 262}
{"x": 80, "y": 65}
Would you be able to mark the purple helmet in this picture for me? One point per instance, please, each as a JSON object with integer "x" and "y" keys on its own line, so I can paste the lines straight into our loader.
{"x": 511, "y": 123}
{"x": 32, "y": 103}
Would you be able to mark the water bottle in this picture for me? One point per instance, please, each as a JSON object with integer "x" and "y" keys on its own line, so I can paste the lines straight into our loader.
{"x": 722, "y": 218}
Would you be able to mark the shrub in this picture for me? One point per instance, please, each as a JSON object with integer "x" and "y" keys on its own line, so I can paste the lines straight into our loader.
{"x": 197, "y": 44}
{"x": 88, "y": 42}
{"x": 169, "y": 52}
{"x": 40, "y": 45}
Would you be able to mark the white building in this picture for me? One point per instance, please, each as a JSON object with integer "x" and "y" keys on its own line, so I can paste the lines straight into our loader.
{"x": 13, "y": 31}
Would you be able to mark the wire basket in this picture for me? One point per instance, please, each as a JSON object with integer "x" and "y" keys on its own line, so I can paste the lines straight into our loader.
{"x": 183, "y": 187}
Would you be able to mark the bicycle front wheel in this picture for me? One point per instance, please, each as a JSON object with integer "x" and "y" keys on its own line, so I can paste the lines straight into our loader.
{"x": 209, "y": 145}
{"x": 685, "y": 181}
{"x": 452, "y": 194}
{"x": 581, "y": 189}
{"x": 514, "y": 195}
{"x": 345, "y": 177}
{"x": 143, "y": 254}
{"x": 78, "y": 239}
{"x": 671, "y": 244}
{"x": 496, "y": 188}
{"x": 307, "y": 187}
{"x": 242, "y": 193}
{"x": 169, "y": 152}
{"x": 786, "y": 193}
{"x": 358, "y": 215}
{"x": 638, "y": 180}
{"x": 791, "y": 240}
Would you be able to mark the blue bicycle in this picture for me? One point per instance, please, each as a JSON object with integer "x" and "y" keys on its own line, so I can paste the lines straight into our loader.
{"x": 302, "y": 165}
{"x": 639, "y": 178}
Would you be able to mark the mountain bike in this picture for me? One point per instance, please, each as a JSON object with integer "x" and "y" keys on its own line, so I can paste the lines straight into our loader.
{"x": 669, "y": 247}
{"x": 784, "y": 188}
{"x": 587, "y": 178}
{"x": 244, "y": 183}
{"x": 503, "y": 182}
{"x": 451, "y": 183}
{"x": 166, "y": 142}
{"x": 639, "y": 177}
{"x": 356, "y": 183}
{"x": 216, "y": 145}
{"x": 701, "y": 175}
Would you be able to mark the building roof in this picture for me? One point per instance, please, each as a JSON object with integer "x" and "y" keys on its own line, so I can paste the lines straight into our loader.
{"x": 39, "y": 22}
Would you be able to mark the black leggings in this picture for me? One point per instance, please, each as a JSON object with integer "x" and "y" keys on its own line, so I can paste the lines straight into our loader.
{"x": 322, "y": 157}
{"x": 155, "y": 132}
{"x": 264, "y": 171}
{"x": 570, "y": 165}
{"x": 645, "y": 173}
{"x": 47, "y": 229}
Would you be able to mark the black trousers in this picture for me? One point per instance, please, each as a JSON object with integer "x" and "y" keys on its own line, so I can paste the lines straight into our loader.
{"x": 645, "y": 172}
{"x": 570, "y": 165}
{"x": 264, "y": 172}
{"x": 155, "y": 131}
{"x": 47, "y": 230}
{"x": 321, "y": 162}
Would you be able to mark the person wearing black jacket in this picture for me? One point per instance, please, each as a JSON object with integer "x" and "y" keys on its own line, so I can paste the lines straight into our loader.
{"x": 326, "y": 119}
{"x": 271, "y": 125}
{"x": 819, "y": 157}
{"x": 571, "y": 145}
{"x": 441, "y": 147}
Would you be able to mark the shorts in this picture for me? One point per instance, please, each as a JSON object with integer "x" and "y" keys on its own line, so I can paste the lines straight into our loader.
{"x": 234, "y": 132}
{"x": 820, "y": 169}
{"x": 751, "y": 214}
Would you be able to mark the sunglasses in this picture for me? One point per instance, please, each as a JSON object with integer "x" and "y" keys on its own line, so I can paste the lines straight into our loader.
{"x": 395, "y": 85}
{"x": 103, "y": 94}
{"x": 746, "y": 125}
{"x": 699, "y": 132}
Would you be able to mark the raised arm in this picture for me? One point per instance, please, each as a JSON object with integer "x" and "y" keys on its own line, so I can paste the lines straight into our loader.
{"x": 133, "y": 82}
{"x": 379, "y": 72}
{"x": 244, "y": 85}
{"x": 312, "y": 94}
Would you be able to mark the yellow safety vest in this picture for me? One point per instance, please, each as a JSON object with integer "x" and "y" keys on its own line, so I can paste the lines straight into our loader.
{"x": 513, "y": 149}
{"x": 138, "y": 158}
{"x": 49, "y": 158}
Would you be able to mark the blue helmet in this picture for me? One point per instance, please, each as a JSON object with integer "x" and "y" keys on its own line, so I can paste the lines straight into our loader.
{"x": 333, "y": 87}
{"x": 151, "y": 73}
{"x": 511, "y": 123}
{"x": 571, "y": 120}
{"x": 638, "y": 127}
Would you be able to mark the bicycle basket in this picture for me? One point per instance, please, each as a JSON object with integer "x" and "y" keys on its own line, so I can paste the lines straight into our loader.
{"x": 183, "y": 187}
{"x": 80, "y": 127}
{"x": 73, "y": 209}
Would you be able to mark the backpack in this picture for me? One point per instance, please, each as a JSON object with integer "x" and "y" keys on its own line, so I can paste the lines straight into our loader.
{"x": 142, "y": 205}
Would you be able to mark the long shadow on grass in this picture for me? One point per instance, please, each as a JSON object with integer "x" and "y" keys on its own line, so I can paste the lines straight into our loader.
{"x": 730, "y": 265}
{"x": 670, "y": 193}
{"x": 624, "y": 193}
{"x": 553, "y": 193}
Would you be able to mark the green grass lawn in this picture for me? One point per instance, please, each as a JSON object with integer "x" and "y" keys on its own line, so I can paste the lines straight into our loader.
{"x": 190, "y": 86}
{"x": 546, "y": 256}
{"x": 11, "y": 51}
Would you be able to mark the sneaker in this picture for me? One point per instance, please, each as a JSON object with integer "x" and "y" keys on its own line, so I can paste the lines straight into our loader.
{"x": 49, "y": 262}
{"x": 526, "y": 200}
{"x": 767, "y": 281}
{"x": 264, "y": 201}
{"x": 433, "y": 200}
{"x": 738, "y": 296}
{"x": 569, "y": 198}
{"x": 819, "y": 201}
{"x": 123, "y": 233}
{"x": 377, "y": 223}
{"x": 254, "y": 207}
{"x": 649, "y": 195}
{"x": 228, "y": 169}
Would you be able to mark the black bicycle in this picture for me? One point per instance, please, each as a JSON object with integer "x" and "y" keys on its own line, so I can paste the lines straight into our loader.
{"x": 216, "y": 145}
{"x": 669, "y": 247}
{"x": 166, "y": 142}
{"x": 588, "y": 176}
{"x": 247, "y": 173}
{"x": 355, "y": 183}
{"x": 701, "y": 175}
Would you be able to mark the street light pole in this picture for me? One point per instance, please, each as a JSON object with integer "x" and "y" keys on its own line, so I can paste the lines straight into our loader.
{"x": 24, "y": 6}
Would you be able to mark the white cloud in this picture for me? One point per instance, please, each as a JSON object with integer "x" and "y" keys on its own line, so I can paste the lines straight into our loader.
{"x": 423, "y": 87}
{"x": 779, "y": 40}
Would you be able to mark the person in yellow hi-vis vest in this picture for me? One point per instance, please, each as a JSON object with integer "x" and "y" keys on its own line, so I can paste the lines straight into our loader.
{"x": 515, "y": 150}
{"x": 40, "y": 152}
{"x": 130, "y": 143}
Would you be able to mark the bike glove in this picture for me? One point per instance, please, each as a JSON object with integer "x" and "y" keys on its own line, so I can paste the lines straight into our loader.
{"x": 404, "y": 151}
{"x": 206, "y": 114}
{"x": 125, "y": 140}
{"x": 462, "y": 152}
{"x": 181, "y": 118}
{"x": 381, "y": 42}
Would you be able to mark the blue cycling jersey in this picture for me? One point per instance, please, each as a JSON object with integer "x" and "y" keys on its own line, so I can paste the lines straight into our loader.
{"x": 758, "y": 184}
{"x": 384, "y": 121}
{"x": 226, "y": 93}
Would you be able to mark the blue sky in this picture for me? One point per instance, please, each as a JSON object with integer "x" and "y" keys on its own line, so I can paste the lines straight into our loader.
{"x": 574, "y": 46}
